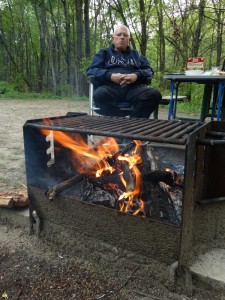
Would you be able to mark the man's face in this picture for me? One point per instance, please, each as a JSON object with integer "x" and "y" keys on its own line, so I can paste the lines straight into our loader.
{"x": 121, "y": 38}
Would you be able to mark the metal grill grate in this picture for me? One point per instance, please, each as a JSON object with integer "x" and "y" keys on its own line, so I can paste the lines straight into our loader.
{"x": 162, "y": 131}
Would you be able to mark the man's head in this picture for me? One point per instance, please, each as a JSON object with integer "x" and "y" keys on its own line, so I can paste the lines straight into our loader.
{"x": 121, "y": 37}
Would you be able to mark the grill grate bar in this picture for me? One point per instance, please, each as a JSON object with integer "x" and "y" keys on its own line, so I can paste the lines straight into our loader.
{"x": 177, "y": 131}
{"x": 186, "y": 130}
{"x": 164, "y": 128}
{"x": 174, "y": 132}
{"x": 147, "y": 128}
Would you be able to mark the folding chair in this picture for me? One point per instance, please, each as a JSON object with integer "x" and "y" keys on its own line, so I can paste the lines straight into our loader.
{"x": 93, "y": 84}
{"x": 126, "y": 107}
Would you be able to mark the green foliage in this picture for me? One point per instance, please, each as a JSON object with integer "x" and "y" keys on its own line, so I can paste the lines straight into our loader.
{"x": 12, "y": 90}
{"x": 156, "y": 81}
{"x": 85, "y": 63}
{"x": 7, "y": 88}
{"x": 38, "y": 46}
{"x": 194, "y": 94}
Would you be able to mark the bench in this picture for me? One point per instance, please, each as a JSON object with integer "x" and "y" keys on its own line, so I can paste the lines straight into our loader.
{"x": 166, "y": 100}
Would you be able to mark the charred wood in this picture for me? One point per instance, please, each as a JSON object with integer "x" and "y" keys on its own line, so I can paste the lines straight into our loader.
{"x": 158, "y": 175}
{"x": 106, "y": 179}
{"x": 96, "y": 195}
{"x": 158, "y": 202}
{"x": 62, "y": 186}
{"x": 59, "y": 188}
{"x": 122, "y": 151}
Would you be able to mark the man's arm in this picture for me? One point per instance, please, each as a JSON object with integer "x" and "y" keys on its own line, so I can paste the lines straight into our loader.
{"x": 145, "y": 72}
{"x": 98, "y": 67}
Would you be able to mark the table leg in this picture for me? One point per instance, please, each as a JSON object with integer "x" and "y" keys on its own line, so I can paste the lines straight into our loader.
{"x": 206, "y": 101}
{"x": 220, "y": 94}
{"x": 170, "y": 111}
{"x": 223, "y": 108}
{"x": 215, "y": 97}
{"x": 175, "y": 101}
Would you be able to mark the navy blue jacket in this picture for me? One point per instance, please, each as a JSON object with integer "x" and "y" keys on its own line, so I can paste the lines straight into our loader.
{"x": 108, "y": 61}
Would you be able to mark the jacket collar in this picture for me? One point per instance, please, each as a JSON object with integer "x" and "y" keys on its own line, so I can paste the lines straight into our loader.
{"x": 113, "y": 48}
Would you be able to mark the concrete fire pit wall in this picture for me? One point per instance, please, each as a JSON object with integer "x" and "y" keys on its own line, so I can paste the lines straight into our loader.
{"x": 142, "y": 235}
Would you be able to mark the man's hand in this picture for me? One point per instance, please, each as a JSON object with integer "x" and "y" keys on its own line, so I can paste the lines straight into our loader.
{"x": 117, "y": 77}
{"x": 128, "y": 79}
{"x": 123, "y": 79}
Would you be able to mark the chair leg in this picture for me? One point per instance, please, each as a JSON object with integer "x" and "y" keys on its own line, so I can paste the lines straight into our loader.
{"x": 155, "y": 113}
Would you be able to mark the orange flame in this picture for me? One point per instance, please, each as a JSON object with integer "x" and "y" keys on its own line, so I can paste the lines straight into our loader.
{"x": 132, "y": 195}
{"x": 88, "y": 160}
{"x": 177, "y": 179}
{"x": 93, "y": 160}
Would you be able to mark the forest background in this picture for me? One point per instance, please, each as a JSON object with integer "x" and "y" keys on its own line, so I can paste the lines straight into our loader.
{"x": 46, "y": 45}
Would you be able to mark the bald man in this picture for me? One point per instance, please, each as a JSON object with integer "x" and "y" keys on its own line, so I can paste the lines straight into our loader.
{"x": 122, "y": 75}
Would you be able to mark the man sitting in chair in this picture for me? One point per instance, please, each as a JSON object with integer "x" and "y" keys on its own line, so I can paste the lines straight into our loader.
{"x": 123, "y": 75}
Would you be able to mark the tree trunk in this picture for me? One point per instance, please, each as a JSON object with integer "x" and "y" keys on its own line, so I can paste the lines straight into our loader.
{"x": 56, "y": 53}
{"x": 143, "y": 44}
{"x": 68, "y": 43}
{"x": 79, "y": 42}
{"x": 198, "y": 31}
{"x": 40, "y": 16}
{"x": 87, "y": 29}
{"x": 161, "y": 39}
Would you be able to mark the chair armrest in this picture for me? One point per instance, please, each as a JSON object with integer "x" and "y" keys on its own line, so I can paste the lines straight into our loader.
{"x": 149, "y": 80}
{"x": 91, "y": 78}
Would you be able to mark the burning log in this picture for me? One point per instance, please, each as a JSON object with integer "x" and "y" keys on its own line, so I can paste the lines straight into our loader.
{"x": 105, "y": 180}
{"x": 119, "y": 183}
{"x": 59, "y": 188}
{"x": 158, "y": 202}
{"x": 159, "y": 176}
{"x": 96, "y": 195}
{"x": 123, "y": 150}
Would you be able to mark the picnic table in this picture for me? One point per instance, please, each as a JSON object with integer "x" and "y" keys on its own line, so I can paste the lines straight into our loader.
{"x": 213, "y": 89}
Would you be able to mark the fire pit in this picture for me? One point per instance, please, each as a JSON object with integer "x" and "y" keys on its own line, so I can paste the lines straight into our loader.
{"x": 140, "y": 195}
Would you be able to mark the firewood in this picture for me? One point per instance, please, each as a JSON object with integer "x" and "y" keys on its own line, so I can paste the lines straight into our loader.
{"x": 59, "y": 188}
{"x": 6, "y": 201}
{"x": 62, "y": 186}
{"x": 159, "y": 175}
{"x": 14, "y": 199}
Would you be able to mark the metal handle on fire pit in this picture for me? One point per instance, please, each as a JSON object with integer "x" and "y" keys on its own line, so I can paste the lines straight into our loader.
{"x": 212, "y": 142}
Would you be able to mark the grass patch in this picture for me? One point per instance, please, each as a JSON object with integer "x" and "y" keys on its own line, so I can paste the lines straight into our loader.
{"x": 194, "y": 94}
{"x": 189, "y": 107}
{"x": 15, "y": 91}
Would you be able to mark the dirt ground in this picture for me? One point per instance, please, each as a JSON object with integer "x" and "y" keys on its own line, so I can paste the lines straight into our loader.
{"x": 34, "y": 268}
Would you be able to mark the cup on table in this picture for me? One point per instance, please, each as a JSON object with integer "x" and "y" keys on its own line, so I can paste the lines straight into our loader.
{"x": 215, "y": 70}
